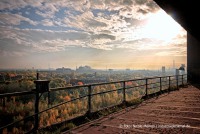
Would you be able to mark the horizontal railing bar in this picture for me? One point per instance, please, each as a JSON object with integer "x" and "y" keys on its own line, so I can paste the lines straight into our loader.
{"x": 153, "y": 83}
{"x": 165, "y": 85}
{"x": 13, "y": 123}
{"x": 65, "y": 88}
{"x": 136, "y": 86}
{"x": 113, "y": 82}
{"x": 80, "y": 86}
{"x": 61, "y": 104}
{"x": 16, "y": 94}
{"x": 154, "y": 87}
{"x": 106, "y": 92}
{"x": 41, "y": 112}
{"x": 165, "y": 80}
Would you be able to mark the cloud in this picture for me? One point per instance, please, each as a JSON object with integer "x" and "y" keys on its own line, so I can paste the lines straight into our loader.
{"x": 6, "y": 53}
{"x": 127, "y": 2}
{"x": 152, "y": 6}
{"x": 102, "y": 44}
{"x": 100, "y": 24}
{"x": 147, "y": 5}
{"x": 97, "y": 4}
{"x": 110, "y": 13}
{"x": 52, "y": 41}
{"x": 39, "y": 40}
{"x": 4, "y": 4}
{"x": 44, "y": 9}
{"x": 17, "y": 4}
{"x": 172, "y": 53}
{"x": 79, "y": 14}
{"x": 103, "y": 36}
{"x": 142, "y": 11}
{"x": 14, "y": 19}
{"x": 14, "y": 36}
{"x": 141, "y": 2}
{"x": 39, "y": 35}
{"x": 47, "y": 22}
{"x": 47, "y": 10}
{"x": 55, "y": 45}
{"x": 81, "y": 21}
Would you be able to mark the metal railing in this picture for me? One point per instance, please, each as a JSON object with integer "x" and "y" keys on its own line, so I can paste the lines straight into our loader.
{"x": 147, "y": 86}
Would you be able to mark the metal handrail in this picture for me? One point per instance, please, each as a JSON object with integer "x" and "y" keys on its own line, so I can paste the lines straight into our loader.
{"x": 90, "y": 94}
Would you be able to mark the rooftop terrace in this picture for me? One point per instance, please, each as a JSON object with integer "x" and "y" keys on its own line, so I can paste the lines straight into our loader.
{"x": 174, "y": 112}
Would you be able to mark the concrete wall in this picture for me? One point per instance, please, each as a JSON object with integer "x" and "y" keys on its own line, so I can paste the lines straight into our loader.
{"x": 193, "y": 59}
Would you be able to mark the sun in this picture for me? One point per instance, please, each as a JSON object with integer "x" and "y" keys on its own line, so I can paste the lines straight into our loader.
{"x": 161, "y": 26}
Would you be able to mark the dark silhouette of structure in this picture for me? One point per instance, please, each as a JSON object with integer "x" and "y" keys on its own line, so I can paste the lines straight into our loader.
{"x": 186, "y": 13}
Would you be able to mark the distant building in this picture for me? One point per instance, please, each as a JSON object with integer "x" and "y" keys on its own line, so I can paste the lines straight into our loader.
{"x": 110, "y": 70}
{"x": 63, "y": 70}
{"x": 84, "y": 69}
{"x": 163, "y": 70}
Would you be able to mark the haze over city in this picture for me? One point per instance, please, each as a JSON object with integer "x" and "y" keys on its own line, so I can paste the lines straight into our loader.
{"x": 134, "y": 34}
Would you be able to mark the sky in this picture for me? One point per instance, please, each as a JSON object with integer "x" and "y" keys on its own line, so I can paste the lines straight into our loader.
{"x": 134, "y": 34}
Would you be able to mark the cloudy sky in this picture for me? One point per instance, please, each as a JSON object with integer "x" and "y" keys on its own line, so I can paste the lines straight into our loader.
{"x": 133, "y": 34}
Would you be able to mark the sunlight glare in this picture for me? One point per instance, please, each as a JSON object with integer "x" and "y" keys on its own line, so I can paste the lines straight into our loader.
{"x": 162, "y": 27}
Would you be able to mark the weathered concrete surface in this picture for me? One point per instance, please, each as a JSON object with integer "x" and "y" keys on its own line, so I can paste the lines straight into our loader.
{"x": 175, "y": 113}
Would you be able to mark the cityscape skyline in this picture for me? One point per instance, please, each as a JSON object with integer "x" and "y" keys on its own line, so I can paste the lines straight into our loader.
{"x": 174, "y": 66}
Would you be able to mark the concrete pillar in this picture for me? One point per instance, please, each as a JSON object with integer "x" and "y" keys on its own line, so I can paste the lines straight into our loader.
{"x": 193, "y": 59}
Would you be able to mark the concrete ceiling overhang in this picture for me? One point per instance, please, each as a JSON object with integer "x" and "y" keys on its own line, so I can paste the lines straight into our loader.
{"x": 185, "y": 12}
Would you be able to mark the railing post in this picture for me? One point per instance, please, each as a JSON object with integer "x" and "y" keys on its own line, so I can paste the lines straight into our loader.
{"x": 160, "y": 84}
{"x": 124, "y": 91}
{"x": 49, "y": 99}
{"x": 182, "y": 80}
{"x": 41, "y": 87}
{"x": 89, "y": 99}
{"x": 177, "y": 82}
{"x": 36, "y": 123}
{"x": 4, "y": 102}
{"x": 37, "y": 76}
{"x": 186, "y": 78}
{"x": 146, "y": 87}
{"x": 169, "y": 84}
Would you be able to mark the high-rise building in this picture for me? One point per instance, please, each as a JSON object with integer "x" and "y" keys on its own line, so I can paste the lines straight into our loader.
{"x": 163, "y": 69}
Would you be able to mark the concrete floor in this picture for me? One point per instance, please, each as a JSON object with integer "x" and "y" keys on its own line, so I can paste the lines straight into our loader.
{"x": 175, "y": 113}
